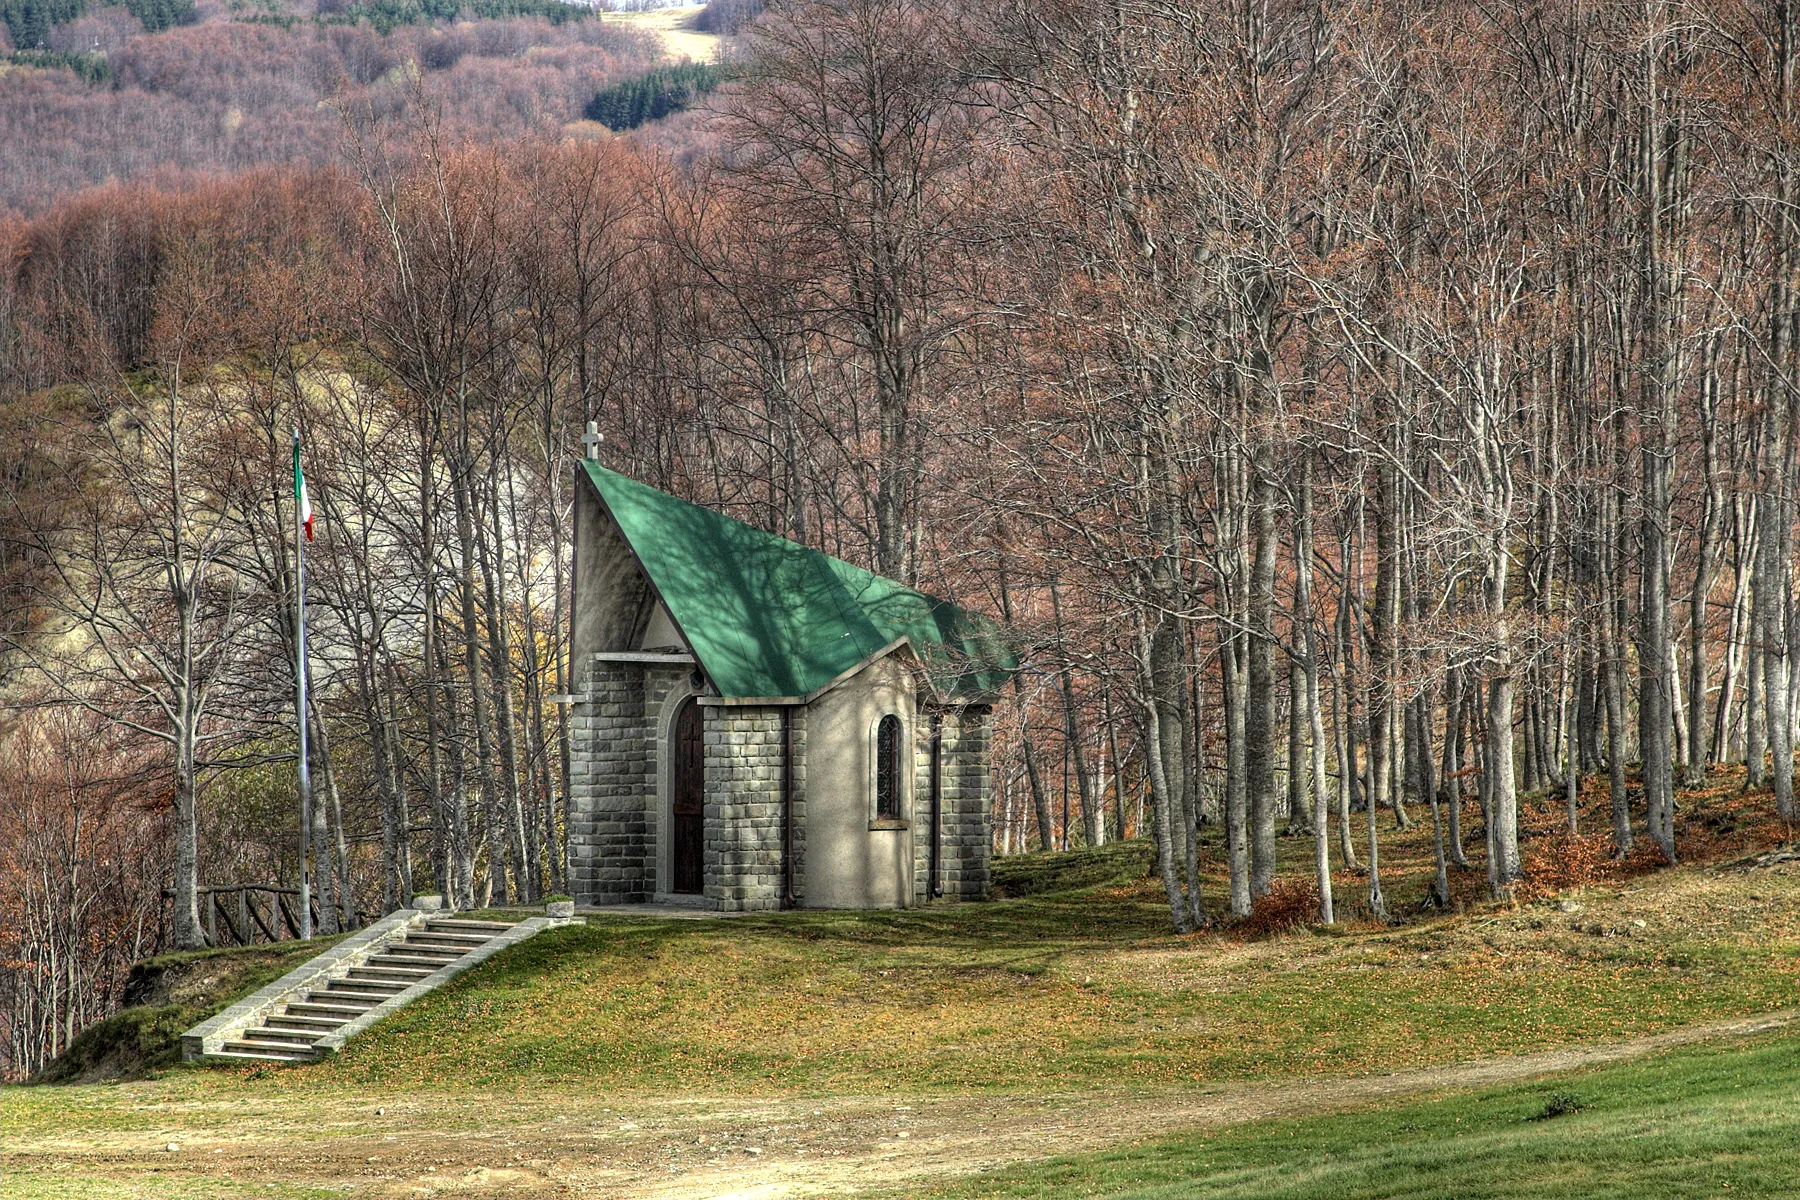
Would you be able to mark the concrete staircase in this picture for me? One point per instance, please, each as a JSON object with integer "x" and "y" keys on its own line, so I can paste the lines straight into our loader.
{"x": 314, "y": 1009}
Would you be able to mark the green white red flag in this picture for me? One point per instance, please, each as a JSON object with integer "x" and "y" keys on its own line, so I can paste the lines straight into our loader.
{"x": 301, "y": 500}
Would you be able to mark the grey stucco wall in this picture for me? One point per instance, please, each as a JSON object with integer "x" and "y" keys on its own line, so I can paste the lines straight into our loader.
{"x": 612, "y": 599}
{"x": 850, "y": 864}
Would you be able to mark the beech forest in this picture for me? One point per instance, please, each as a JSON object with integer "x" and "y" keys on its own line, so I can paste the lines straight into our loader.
{"x": 1374, "y": 411}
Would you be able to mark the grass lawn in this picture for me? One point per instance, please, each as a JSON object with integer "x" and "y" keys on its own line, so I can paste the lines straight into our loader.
{"x": 1079, "y": 991}
{"x": 823, "y": 1053}
{"x": 1078, "y": 983}
{"x": 1719, "y": 1121}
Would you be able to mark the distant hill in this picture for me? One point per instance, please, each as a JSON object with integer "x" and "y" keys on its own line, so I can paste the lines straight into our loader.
{"x": 92, "y": 92}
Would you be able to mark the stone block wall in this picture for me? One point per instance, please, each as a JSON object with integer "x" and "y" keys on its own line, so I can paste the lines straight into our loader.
{"x": 967, "y": 838}
{"x": 743, "y": 757}
{"x": 614, "y": 805}
{"x": 964, "y": 837}
{"x": 799, "y": 814}
{"x": 920, "y": 815}
{"x": 612, "y": 777}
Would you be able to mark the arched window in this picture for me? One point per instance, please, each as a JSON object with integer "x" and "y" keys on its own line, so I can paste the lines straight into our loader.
{"x": 887, "y": 768}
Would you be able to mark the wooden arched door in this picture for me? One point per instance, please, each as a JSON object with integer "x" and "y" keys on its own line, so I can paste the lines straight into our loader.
{"x": 687, "y": 808}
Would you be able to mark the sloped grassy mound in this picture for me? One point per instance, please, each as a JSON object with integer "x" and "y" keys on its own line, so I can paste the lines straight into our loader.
{"x": 165, "y": 996}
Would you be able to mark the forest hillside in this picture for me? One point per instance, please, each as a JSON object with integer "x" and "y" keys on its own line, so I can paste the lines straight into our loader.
{"x": 1375, "y": 428}
{"x": 93, "y": 93}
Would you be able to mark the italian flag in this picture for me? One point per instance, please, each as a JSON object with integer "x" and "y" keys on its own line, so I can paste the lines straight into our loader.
{"x": 301, "y": 501}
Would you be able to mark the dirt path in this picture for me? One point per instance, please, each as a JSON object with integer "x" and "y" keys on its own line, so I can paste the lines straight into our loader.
{"x": 456, "y": 1144}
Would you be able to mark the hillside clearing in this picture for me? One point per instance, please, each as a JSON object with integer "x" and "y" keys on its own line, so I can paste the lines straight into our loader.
{"x": 816, "y": 1053}
{"x": 165, "y": 1140}
{"x": 676, "y": 27}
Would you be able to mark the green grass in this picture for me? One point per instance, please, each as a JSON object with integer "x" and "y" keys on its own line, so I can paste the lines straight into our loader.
{"x": 1081, "y": 989}
{"x": 1042, "y": 874}
{"x": 1078, "y": 984}
{"x": 1721, "y": 1121}
{"x": 1072, "y": 997}
{"x": 173, "y": 993}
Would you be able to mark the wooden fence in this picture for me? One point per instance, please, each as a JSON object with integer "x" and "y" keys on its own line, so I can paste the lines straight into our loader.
{"x": 248, "y": 914}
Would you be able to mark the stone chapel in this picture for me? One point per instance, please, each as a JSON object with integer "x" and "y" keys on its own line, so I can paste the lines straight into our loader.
{"x": 758, "y": 725}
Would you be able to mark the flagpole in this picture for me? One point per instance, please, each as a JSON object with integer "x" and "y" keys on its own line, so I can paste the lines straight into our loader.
{"x": 306, "y": 930}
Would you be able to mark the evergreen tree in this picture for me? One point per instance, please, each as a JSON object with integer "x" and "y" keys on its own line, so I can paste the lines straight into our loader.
{"x": 651, "y": 97}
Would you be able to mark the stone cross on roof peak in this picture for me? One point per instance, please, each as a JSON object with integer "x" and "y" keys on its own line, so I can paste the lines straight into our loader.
{"x": 592, "y": 439}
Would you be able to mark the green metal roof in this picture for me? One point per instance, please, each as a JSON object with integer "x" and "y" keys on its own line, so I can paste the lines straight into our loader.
{"x": 770, "y": 618}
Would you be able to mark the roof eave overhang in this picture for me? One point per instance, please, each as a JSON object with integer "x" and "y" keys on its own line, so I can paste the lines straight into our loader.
{"x": 837, "y": 680}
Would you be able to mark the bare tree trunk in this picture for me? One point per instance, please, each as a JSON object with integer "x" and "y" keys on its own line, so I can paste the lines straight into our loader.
{"x": 1299, "y": 792}
{"x": 1308, "y": 692}
{"x": 1341, "y": 717}
{"x": 185, "y": 916}
{"x": 1162, "y": 806}
{"x": 324, "y": 875}
{"x": 1728, "y": 729}
{"x": 1775, "y": 518}
{"x": 1259, "y": 690}
{"x": 1421, "y": 757}
{"x": 493, "y": 572}
{"x": 1040, "y": 799}
{"x": 1454, "y": 724}
{"x": 1385, "y": 779}
{"x": 1118, "y": 765}
{"x": 1612, "y": 666}
{"x": 1092, "y": 822}
{"x": 1659, "y": 148}
{"x": 1237, "y": 815}
{"x": 345, "y": 898}
{"x": 1705, "y": 571}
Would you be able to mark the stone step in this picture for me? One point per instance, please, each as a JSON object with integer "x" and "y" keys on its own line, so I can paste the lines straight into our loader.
{"x": 281, "y": 1037}
{"x": 463, "y": 925}
{"x": 404, "y": 976}
{"x": 264, "y": 1053}
{"x": 375, "y": 990}
{"x": 309, "y": 1012}
{"x": 315, "y": 1024}
{"x": 459, "y": 942}
{"x": 439, "y": 953}
{"x": 338, "y": 1013}
{"x": 403, "y": 962}
{"x": 433, "y": 957}
{"x": 377, "y": 979}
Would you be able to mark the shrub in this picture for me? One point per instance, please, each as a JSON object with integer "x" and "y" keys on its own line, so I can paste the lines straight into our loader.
{"x": 1289, "y": 904}
{"x": 1559, "y": 1105}
{"x": 1566, "y": 860}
